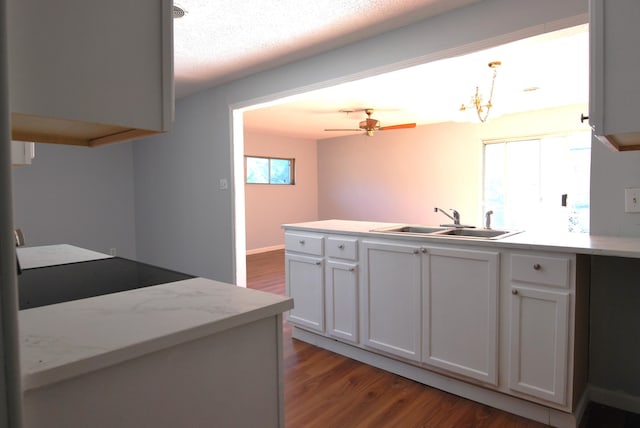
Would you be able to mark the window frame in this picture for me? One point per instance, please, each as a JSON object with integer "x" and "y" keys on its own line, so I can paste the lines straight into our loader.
{"x": 566, "y": 134}
{"x": 292, "y": 170}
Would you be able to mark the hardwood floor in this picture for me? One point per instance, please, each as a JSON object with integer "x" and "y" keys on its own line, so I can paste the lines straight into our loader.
{"x": 324, "y": 389}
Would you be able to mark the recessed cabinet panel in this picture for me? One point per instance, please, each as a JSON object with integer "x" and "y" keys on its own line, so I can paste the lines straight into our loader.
{"x": 460, "y": 312}
{"x": 539, "y": 343}
{"x": 342, "y": 248}
{"x": 551, "y": 271}
{"x": 306, "y": 243}
{"x": 342, "y": 300}
{"x": 305, "y": 284}
{"x": 391, "y": 298}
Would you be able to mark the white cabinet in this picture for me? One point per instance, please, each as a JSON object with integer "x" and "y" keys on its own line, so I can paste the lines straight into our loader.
{"x": 341, "y": 286}
{"x": 342, "y": 300}
{"x": 434, "y": 305}
{"x": 391, "y": 298}
{"x": 460, "y": 312}
{"x": 22, "y": 153}
{"x": 539, "y": 335}
{"x": 304, "y": 280}
{"x": 614, "y": 79}
{"x": 90, "y": 72}
{"x": 542, "y": 338}
{"x": 323, "y": 283}
{"x": 500, "y": 324}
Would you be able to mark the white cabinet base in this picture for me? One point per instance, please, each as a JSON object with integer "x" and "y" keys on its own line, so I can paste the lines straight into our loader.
{"x": 232, "y": 378}
{"x": 466, "y": 390}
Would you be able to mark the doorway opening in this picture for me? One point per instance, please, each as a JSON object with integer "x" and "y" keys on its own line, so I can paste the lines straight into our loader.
{"x": 289, "y": 98}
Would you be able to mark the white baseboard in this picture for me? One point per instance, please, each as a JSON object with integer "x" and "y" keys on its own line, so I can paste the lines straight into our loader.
{"x": 617, "y": 399}
{"x": 265, "y": 249}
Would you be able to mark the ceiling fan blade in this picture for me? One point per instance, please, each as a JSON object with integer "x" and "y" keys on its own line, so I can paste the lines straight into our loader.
{"x": 350, "y": 129}
{"x": 392, "y": 127}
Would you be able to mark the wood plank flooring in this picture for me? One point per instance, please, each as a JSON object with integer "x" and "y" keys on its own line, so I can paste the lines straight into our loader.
{"x": 324, "y": 389}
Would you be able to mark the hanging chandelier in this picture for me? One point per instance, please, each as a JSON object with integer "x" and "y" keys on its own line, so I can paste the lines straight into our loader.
{"x": 476, "y": 101}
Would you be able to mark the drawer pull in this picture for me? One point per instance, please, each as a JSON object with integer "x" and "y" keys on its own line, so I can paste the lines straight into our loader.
{"x": 424, "y": 250}
{"x": 301, "y": 242}
{"x": 341, "y": 246}
{"x": 352, "y": 269}
{"x": 416, "y": 251}
{"x": 537, "y": 266}
{"x": 514, "y": 291}
{"x": 318, "y": 263}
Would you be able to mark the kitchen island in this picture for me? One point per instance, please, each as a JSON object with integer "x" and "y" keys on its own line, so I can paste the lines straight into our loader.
{"x": 194, "y": 352}
{"x": 504, "y": 322}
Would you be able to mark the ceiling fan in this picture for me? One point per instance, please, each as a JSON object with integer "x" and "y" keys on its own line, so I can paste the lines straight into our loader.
{"x": 369, "y": 125}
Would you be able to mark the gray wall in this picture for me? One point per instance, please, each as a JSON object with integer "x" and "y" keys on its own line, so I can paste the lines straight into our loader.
{"x": 78, "y": 196}
{"x": 615, "y": 290}
{"x": 183, "y": 221}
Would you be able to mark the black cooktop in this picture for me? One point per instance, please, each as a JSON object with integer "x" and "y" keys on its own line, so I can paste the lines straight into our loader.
{"x": 61, "y": 283}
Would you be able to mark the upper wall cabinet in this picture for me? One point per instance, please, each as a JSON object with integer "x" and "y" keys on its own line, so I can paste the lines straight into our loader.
{"x": 90, "y": 72}
{"x": 614, "y": 90}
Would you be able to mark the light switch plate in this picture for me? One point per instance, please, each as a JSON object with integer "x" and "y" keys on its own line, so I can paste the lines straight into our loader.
{"x": 632, "y": 200}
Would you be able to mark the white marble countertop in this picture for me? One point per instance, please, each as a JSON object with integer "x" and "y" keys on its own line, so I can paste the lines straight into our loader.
{"x": 577, "y": 243}
{"x": 50, "y": 255}
{"x": 73, "y": 338}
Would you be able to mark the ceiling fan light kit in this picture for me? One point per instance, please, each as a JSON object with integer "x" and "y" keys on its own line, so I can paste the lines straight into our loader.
{"x": 370, "y": 125}
{"x": 482, "y": 110}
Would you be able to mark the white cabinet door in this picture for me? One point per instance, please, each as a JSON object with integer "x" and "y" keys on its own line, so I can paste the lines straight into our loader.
{"x": 614, "y": 79}
{"x": 305, "y": 284}
{"x": 90, "y": 72}
{"x": 460, "y": 312}
{"x": 391, "y": 298}
{"x": 342, "y": 300}
{"x": 539, "y": 343}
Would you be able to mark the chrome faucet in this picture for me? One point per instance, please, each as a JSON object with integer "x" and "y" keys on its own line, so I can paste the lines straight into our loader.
{"x": 487, "y": 220}
{"x": 455, "y": 217}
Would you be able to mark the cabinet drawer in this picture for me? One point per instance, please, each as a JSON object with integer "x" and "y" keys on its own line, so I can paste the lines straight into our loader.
{"x": 551, "y": 271}
{"x": 342, "y": 248}
{"x": 306, "y": 243}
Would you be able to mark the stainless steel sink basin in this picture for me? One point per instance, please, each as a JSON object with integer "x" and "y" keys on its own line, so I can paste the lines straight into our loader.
{"x": 412, "y": 229}
{"x": 448, "y": 232}
{"x": 477, "y": 233}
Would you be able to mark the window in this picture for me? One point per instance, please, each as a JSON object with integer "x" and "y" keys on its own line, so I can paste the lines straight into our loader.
{"x": 539, "y": 183}
{"x": 266, "y": 170}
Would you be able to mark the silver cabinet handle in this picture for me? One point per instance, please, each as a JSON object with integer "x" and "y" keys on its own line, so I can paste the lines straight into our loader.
{"x": 514, "y": 291}
{"x": 416, "y": 251}
{"x": 424, "y": 250}
{"x": 537, "y": 266}
{"x": 341, "y": 246}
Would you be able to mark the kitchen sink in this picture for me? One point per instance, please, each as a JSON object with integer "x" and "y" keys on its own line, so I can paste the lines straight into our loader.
{"x": 477, "y": 233}
{"x": 448, "y": 232}
{"x": 412, "y": 229}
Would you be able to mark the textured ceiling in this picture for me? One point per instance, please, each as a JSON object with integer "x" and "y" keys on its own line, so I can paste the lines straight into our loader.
{"x": 222, "y": 40}
{"x": 219, "y": 41}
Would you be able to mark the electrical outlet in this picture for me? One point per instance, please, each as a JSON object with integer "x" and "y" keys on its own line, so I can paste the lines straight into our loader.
{"x": 632, "y": 200}
{"x": 223, "y": 185}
